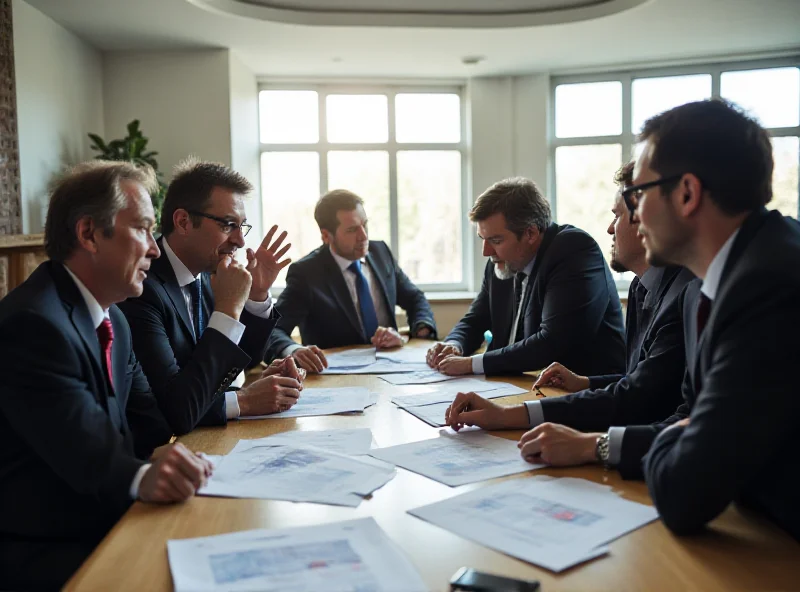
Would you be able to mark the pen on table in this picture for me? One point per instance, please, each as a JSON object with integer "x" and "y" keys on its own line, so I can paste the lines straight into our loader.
{"x": 539, "y": 392}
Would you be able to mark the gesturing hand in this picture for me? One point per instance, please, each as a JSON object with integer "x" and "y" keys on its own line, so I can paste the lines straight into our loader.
{"x": 175, "y": 475}
{"x": 265, "y": 263}
{"x": 230, "y": 285}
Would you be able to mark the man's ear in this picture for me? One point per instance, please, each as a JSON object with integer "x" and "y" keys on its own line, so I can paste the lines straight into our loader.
{"x": 689, "y": 195}
{"x": 181, "y": 221}
{"x": 532, "y": 235}
{"x": 85, "y": 232}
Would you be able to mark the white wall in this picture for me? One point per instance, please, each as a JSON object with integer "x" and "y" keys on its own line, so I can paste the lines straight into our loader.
{"x": 59, "y": 101}
{"x": 181, "y": 99}
{"x": 245, "y": 141}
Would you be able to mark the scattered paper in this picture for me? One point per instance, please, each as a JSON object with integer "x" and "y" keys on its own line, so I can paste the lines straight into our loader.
{"x": 553, "y": 523}
{"x": 382, "y": 366}
{"x": 408, "y": 355}
{"x": 344, "y": 441}
{"x": 324, "y": 401}
{"x": 432, "y": 414}
{"x": 447, "y": 391}
{"x": 424, "y": 375}
{"x": 351, "y": 358}
{"x": 457, "y": 459}
{"x": 337, "y": 557}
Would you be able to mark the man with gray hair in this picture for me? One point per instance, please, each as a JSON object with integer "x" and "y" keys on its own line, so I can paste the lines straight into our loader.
{"x": 547, "y": 294}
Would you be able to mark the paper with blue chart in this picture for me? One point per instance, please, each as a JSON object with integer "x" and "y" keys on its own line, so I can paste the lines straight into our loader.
{"x": 351, "y": 441}
{"x": 355, "y": 555}
{"x": 259, "y": 469}
{"x": 447, "y": 391}
{"x": 550, "y": 522}
{"x": 371, "y": 361}
{"x": 325, "y": 401}
{"x": 456, "y": 459}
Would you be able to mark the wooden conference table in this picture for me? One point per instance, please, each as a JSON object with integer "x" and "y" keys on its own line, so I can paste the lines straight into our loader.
{"x": 737, "y": 552}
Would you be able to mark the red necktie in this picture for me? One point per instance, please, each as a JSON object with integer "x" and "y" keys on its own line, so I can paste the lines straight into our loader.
{"x": 105, "y": 333}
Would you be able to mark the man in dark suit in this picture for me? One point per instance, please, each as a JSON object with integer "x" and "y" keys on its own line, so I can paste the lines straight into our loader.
{"x": 77, "y": 418}
{"x": 194, "y": 333}
{"x": 345, "y": 292}
{"x": 547, "y": 294}
{"x": 701, "y": 183}
{"x": 649, "y": 391}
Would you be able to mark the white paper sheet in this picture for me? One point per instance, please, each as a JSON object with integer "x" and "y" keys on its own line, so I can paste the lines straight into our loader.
{"x": 554, "y": 523}
{"x": 424, "y": 375}
{"x": 345, "y": 441}
{"x": 447, "y": 391}
{"x": 432, "y": 414}
{"x": 456, "y": 459}
{"x": 337, "y": 557}
{"x": 254, "y": 469}
{"x": 324, "y": 401}
{"x": 380, "y": 367}
{"x": 351, "y": 358}
{"x": 406, "y": 355}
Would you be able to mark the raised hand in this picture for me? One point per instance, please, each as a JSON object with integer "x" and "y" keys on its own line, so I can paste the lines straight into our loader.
{"x": 265, "y": 263}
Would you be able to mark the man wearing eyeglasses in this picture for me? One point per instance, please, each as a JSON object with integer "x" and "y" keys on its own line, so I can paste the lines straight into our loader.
{"x": 203, "y": 317}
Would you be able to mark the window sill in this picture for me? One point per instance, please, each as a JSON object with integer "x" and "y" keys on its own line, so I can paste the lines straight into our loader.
{"x": 450, "y": 297}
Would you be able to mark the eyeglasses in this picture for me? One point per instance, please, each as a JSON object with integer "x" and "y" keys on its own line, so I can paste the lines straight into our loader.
{"x": 631, "y": 195}
{"x": 226, "y": 225}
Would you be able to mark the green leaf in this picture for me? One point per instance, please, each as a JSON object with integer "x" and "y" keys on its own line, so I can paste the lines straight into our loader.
{"x": 133, "y": 128}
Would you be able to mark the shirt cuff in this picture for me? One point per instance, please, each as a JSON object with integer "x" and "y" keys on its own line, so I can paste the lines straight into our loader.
{"x": 290, "y": 349}
{"x": 615, "y": 436}
{"x": 477, "y": 364}
{"x": 228, "y": 326}
{"x": 137, "y": 479}
{"x": 261, "y": 310}
{"x": 535, "y": 413}
{"x": 232, "y": 410}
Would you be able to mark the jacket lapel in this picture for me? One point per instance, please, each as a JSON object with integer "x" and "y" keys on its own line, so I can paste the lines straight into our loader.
{"x": 162, "y": 271}
{"x": 339, "y": 289}
{"x": 376, "y": 273}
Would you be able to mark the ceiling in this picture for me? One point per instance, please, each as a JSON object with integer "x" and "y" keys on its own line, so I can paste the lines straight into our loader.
{"x": 657, "y": 31}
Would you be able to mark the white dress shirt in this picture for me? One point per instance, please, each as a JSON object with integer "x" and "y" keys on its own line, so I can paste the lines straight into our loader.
{"x": 709, "y": 288}
{"x": 228, "y": 326}
{"x": 97, "y": 314}
{"x": 477, "y": 360}
{"x": 378, "y": 301}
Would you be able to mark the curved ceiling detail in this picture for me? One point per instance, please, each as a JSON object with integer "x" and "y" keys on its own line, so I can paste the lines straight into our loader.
{"x": 420, "y": 13}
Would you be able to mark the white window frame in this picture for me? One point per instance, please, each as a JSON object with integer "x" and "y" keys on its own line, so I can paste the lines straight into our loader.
{"x": 627, "y": 138}
{"x": 322, "y": 147}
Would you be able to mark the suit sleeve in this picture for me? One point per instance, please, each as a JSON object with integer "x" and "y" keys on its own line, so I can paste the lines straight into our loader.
{"x": 255, "y": 340}
{"x": 649, "y": 393}
{"x": 745, "y": 412}
{"x": 185, "y": 395}
{"x": 468, "y": 333}
{"x": 575, "y": 302}
{"x": 293, "y": 305}
{"x": 600, "y": 382}
{"x": 51, "y": 408}
{"x": 413, "y": 301}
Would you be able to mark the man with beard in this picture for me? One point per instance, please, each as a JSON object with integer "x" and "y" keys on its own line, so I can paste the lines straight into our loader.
{"x": 649, "y": 391}
{"x": 345, "y": 292}
{"x": 547, "y": 294}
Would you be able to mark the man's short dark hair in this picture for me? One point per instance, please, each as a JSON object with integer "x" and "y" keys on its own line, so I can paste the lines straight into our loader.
{"x": 519, "y": 200}
{"x": 332, "y": 202}
{"x": 192, "y": 183}
{"x": 716, "y": 141}
{"x": 89, "y": 189}
{"x": 624, "y": 175}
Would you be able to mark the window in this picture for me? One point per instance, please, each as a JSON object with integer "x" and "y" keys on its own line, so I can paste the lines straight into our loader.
{"x": 596, "y": 119}
{"x": 401, "y": 150}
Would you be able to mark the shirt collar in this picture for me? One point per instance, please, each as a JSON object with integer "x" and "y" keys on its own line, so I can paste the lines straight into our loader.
{"x": 182, "y": 273}
{"x": 529, "y": 267}
{"x": 341, "y": 261}
{"x": 714, "y": 272}
{"x": 651, "y": 278}
{"x": 95, "y": 310}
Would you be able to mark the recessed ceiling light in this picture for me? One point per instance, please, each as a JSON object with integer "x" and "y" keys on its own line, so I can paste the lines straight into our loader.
{"x": 471, "y": 60}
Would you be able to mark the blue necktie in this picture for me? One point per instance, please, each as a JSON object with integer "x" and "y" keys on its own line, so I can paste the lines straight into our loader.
{"x": 369, "y": 319}
{"x": 197, "y": 307}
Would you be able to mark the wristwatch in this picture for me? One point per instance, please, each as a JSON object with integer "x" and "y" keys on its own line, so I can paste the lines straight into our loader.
{"x": 601, "y": 450}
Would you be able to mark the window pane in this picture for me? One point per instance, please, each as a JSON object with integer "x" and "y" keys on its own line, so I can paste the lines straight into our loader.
{"x": 786, "y": 152}
{"x": 586, "y": 188}
{"x": 590, "y": 109}
{"x": 771, "y": 95}
{"x": 358, "y": 118}
{"x": 289, "y": 192}
{"x": 422, "y": 117}
{"x": 652, "y": 96}
{"x": 289, "y": 116}
{"x": 367, "y": 175}
{"x": 429, "y": 209}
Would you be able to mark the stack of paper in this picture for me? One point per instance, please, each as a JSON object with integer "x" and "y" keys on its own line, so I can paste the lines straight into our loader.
{"x": 338, "y": 557}
{"x": 260, "y": 469}
{"x": 456, "y": 459}
{"x": 430, "y": 404}
{"x": 325, "y": 401}
{"x": 554, "y": 523}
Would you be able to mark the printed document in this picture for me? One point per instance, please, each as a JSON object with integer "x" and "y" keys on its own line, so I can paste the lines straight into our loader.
{"x": 447, "y": 391}
{"x": 352, "y": 441}
{"x": 355, "y": 555}
{"x": 324, "y": 401}
{"x": 424, "y": 375}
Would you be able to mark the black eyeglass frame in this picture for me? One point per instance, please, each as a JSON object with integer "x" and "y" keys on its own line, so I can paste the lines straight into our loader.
{"x": 227, "y": 226}
{"x": 627, "y": 193}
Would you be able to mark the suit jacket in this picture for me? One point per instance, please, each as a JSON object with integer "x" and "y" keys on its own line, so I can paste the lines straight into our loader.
{"x": 317, "y": 300}
{"x": 70, "y": 446}
{"x": 741, "y": 442}
{"x": 651, "y": 390}
{"x": 571, "y": 312}
{"x": 188, "y": 376}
